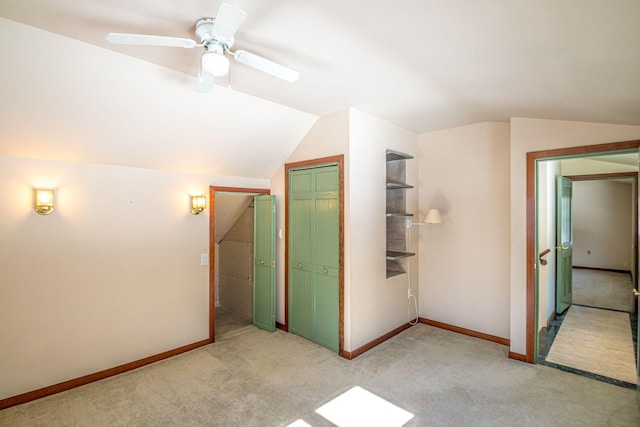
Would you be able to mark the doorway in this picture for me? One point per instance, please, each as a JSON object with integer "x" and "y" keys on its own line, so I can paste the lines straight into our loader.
{"x": 314, "y": 280}
{"x": 231, "y": 246}
{"x": 586, "y": 312}
{"x": 536, "y": 296}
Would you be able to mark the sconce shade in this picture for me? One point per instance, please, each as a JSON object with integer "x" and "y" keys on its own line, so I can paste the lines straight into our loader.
{"x": 433, "y": 217}
{"x": 198, "y": 204}
{"x": 43, "y": 202}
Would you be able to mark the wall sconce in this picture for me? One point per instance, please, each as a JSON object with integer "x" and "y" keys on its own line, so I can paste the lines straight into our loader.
{"x": 43, "y": 203}
{"x": 198, "y": 203}
{"x": 433, "y": 217}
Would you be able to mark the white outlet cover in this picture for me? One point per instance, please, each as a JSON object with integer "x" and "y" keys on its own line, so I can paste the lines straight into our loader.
{"x": 204, "y": 259}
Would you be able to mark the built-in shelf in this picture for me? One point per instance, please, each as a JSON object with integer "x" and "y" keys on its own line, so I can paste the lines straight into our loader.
{"x": 399, "y": 214}
{"x": 397, "y": 185}
{"x": 396, "y": 255}
{"x": 396, "y": 212}
{"x": 392, "y": 156}
{"x": 393, "y": 269}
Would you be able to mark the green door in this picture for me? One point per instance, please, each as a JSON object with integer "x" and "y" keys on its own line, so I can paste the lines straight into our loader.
{"x": 264, "y": 263}
{"x": 564, "y": 245}
{"x": 314, "y": 255}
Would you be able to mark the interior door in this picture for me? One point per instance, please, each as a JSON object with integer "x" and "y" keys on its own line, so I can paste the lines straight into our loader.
{"x": 314, "y": 254}
{"x": 564, "y": 245}
{"x": 326, "y": 282}
{"x": 264, "y": 264}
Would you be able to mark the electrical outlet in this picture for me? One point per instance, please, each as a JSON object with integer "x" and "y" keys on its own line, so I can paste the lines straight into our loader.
{"x": 409, "y": 293}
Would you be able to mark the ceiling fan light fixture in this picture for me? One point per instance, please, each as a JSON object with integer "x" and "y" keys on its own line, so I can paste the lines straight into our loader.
{"x": 215, "y": 64}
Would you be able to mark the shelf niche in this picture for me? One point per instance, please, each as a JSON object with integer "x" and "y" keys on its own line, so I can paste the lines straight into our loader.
{"x": 396, "y": 213}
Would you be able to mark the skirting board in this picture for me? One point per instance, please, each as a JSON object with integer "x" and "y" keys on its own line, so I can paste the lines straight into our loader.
{"x": 465, "y": 331}
{"x": 358, "y": 351}
{"x": 80, "y": 381}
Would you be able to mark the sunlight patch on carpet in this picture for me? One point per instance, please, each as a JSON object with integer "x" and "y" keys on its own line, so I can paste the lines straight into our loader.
{"x": 359, "y": 407}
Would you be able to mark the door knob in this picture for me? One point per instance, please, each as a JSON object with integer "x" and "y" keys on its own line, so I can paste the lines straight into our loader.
{"x": 562, "y": 248}
{"x": 325, "y": 271}
{"x": 636, "y": 293}
{"x": 261, "y": 261}
{"x": 300, "y": 265}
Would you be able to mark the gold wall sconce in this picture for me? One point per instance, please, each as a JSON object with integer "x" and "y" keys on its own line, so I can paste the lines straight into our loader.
{"x": 43, "y": 203}
{"x": 198, "y": 204}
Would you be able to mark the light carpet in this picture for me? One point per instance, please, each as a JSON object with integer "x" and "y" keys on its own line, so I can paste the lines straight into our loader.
{"x": 267, "y": 379}
{"x": 597, "y": 341}
{"x": 603, "y": 289}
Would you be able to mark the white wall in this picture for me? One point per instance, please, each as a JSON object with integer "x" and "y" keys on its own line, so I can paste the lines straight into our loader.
{"x": 587, "y": 166}
{"x": 329, "y": 136}
{"x": 529, "y": 135}
{"x": 113, "y": 275}
{"x": 464, "y": 262}
{"x": 377, "y": 304}
{"x": 547, "y": 172}
{"x": 602, "y": 227}
{"x": 373, "y": 305}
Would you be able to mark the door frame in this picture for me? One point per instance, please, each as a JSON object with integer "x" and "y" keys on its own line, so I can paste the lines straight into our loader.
{"x": 308, "y": 164}
{"x": 212, "y": 247}
{"x": 612, "y": 176}
{"x": 531, "y": 256}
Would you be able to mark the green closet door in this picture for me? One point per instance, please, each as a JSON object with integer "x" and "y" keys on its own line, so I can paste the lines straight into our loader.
{"x": 313, "y": 255}
{"x": 301, "y": 256}
{"x": 326, "y": 257}
{"x": 264, "y": 266}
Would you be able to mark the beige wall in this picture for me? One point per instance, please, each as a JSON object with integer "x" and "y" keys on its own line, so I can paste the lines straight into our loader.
{"x": 111, "y": 276}
{"x": 329, "y": 136}
{"x": 602, "y": 227}
{"x": 464, "y": 262}
{"x": 535, "y": 135}
{"x": 373, "y": 304}
{"x": 377, "y": 305}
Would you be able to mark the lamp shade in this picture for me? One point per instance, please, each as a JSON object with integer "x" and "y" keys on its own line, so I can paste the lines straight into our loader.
{"x": 433, "y": 217}
{"x": 215, "y": 64}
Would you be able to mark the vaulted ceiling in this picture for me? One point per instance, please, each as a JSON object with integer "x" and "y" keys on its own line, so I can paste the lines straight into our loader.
{"x": 421, "y": 64}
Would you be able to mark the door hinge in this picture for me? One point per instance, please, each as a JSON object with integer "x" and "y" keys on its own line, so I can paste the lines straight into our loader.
{"x": 273, "y": 263}
{"x": 273, "y": 209}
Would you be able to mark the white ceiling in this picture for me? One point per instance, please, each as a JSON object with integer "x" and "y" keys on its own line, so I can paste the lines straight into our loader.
{"x": 422, "y": 64}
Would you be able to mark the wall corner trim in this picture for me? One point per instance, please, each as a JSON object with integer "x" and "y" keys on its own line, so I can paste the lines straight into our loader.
{"x": 358, "y": 351}
{"x": 517, "y": 356}
{"x": 96, "y": 376}
{"x": 465, "y": 331}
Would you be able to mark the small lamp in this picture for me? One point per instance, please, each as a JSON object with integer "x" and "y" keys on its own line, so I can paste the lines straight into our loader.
{"x": 198, "y": 203}
{"x": 433, "y": 217}
{"x": 43, "y": 203}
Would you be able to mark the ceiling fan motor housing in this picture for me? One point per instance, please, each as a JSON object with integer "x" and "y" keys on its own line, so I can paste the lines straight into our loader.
{"x": 204, "y": 31}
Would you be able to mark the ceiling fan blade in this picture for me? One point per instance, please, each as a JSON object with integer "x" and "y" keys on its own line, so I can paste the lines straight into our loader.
{"x": 228, "y": 20}
{"x": 204, "y": 83}
{"x": 265, "y": 65}
{"x": 142, "y": 39}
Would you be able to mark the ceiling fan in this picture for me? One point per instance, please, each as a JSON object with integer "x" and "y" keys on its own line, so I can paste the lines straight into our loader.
{"x": 217, "y": 37}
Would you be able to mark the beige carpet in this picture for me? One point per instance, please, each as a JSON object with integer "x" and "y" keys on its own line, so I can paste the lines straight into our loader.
{"x": 228, "y": 322}
{"x": 604, "y": 289}
{"x": 597, "y": 341}
{"x": 275, "y": 379}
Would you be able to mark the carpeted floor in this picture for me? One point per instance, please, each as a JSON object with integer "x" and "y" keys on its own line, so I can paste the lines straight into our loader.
{"x": 603, "y": 289}
{"x": 597, "y": 341}
{"x": 228, "y": 322}
{"x": 274, "y": 379}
